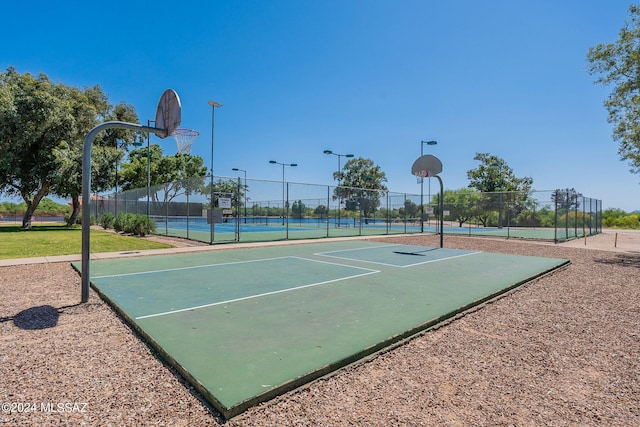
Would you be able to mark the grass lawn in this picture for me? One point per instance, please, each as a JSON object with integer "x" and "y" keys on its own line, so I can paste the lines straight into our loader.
{"x": 58, "y": 239}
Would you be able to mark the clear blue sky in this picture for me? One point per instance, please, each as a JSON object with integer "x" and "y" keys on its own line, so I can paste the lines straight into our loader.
{"x": 367, "y": 77}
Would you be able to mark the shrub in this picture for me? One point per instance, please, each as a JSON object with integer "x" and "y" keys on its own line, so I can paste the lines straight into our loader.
{"x": 629, "y": 222}
{"x": 106, "y": 220}
{"x": 617, "y": 218}
{"x": 138, "y": 225}
{"x": 122, "y": 222}
{"x": 143, "y": 225}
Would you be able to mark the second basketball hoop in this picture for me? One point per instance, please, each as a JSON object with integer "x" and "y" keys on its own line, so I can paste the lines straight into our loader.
{"x": 184, "y": 139}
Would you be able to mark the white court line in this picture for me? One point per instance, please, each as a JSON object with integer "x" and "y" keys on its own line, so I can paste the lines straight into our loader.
{"x": 334, "y": 263}
{"x": 392, "y": 265}
{"x": 442, "y": 259}
{"x": 386, "y": 245}
{"x": 370, "y": 271}
{"x": 189, "y": 268}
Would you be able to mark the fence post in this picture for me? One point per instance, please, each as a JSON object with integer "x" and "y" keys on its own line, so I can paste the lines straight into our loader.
{"x": 566, "y": 218}
{"x": 405, "y": 211}
{"x": 285, "y": 212}
{"x": 555, "y": 219}
{"x": 328, "y": 208}
{"x": 575, "y": 221}
{"x": 238, "y": 206}
{"x": 584, "y": 228}
{"x": 187, "y": 209}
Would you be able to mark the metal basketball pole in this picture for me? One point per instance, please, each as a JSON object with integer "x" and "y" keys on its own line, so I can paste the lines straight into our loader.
{"x": 86, "y": 188}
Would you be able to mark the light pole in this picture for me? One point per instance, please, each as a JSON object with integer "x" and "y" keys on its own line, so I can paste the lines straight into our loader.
{"x": 245, "y": 189}
{"x": 214, "y": 105}
{"x": 273, "y": 162}
{"x": 340, "y": 181}
{"x": 431, "y": 143}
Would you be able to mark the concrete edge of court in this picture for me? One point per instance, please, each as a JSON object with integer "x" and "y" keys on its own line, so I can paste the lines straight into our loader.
{"x": 178, "y": 250}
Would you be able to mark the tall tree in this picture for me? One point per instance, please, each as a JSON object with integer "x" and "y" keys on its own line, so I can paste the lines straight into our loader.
{"x": 91, "y": 106}
{"x": 410, "y": 209}
{"x": 34, "y": 121}
{"x": 171, "y": 176}
{"x": 508, "y": 194}
{"x": 362, "y": 185}
{"x": 42, "y": 128}
{"x": 298, "y": 209}
{"x": 462, "y": 204}
{"x": 618, "y": 64}
{"x": 493, "y": 174}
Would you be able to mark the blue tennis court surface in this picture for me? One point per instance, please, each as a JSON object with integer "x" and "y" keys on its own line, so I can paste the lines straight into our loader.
{"x": 243, "y": 326}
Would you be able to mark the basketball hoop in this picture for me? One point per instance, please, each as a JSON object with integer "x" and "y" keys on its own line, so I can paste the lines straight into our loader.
{"x": 426, "y": 166}
{"x": 168, "y": 114}
{"x": 184, "y": 139}
{"x": 421, "y": 175}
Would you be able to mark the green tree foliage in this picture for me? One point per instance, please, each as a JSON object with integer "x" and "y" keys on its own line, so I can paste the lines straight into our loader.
{"x": 493, "y": 174}
{"x": 462, "y": 204}
{"x": 135, "y": 224}
{"x": 257, "y": 210}
{"x": 298, "y": 209}
{"x": 531, "y": 218}
{"x": 46, "y": 207}
{"x": 321, "y": 211}
{"x": 409, "y": 210}
{"x": 505, "y": 193}
{"x": 34, "y": 120}
{"x": 42, "y": 127}
{"x": 362, "y": 185}
{"x": 618, "y": 64}
{"x": 108, "y": 148}
{"x": 617, "y": 218}
{"x": 170, "y": 176}
{"x": 228, "y": 188}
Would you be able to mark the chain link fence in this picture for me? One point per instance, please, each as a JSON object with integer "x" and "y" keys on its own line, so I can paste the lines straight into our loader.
{"x": 257, "y": 210}
{"x": 557, "y": 215}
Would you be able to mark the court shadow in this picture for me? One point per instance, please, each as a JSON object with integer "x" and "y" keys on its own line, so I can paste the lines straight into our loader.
{"x": 34, "y": 318}
{"x": 36, "y": 228}
{"x": 416, "y": 253}
{"x": 622, "y": 260}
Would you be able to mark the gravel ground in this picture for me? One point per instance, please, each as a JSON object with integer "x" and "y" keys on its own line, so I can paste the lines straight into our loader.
{"x": 561, "y": 351}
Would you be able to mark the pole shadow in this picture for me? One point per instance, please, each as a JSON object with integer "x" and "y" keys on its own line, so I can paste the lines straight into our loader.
{"x": 35, "y": 318}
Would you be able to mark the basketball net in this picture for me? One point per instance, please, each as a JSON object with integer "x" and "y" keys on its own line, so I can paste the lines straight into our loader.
{"x": 184, "y": 138}
{"x": 421, "y": 175}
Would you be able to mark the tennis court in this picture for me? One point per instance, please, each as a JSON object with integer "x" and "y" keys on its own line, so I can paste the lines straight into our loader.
{"x": 253, "y": 229}
{"x": 263, "y": 229}
{"x": 245, "y": 325}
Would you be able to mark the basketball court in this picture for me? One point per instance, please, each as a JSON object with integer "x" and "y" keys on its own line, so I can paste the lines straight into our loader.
{"x": 245, "y": 325}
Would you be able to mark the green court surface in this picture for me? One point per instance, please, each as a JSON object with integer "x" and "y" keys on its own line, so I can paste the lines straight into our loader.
{"x": 243, "y": 326}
